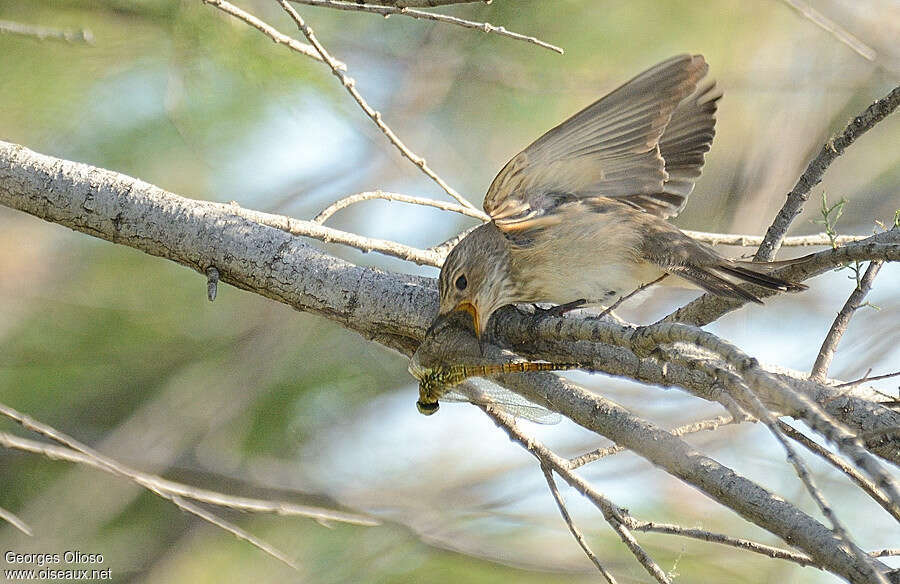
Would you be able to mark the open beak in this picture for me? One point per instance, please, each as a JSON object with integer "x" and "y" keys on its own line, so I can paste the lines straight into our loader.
{"x": 466, "y": 307}
{"x": 473, "y": 312}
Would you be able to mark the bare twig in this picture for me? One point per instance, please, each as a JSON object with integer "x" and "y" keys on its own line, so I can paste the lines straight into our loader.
{"x": 81, "y": 35}
{"x": 836, "y": 30}
{"x": 842, "y": 321}
{"x": 866, "y": 378}
{"x": 755, "y": 240}
{"x": 14, "y": 520}
{"x": 270, "y": 31}
{"x": 426, "y": 3}
{"x": 594, "y": 455}
{"x": 865, "y": 484}
{"x": 885, "y": 553}
{"x": 744, "y": 544}
{"x": 246, "y": 504}
{"x": 345, "y": 202}
{"x": 631, "y": 294}
{"x": 116, "y": 468}
{"x": 329, "y": 235}
{"x": 421, "y": 14}
{"x": 576, "y": 533}
{"x": 350, "y": 85}
{"x": 234, "y": 530}
{"x": 812, "y": 176}
{"x": 614, "y": 515}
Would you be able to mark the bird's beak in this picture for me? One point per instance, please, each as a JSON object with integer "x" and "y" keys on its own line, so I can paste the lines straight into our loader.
{"x": 473, "y": 312}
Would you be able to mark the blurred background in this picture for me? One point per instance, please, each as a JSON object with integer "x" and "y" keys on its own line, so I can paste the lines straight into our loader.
{"x": 124, "y": 352}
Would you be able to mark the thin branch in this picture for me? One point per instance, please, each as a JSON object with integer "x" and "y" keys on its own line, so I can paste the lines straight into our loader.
{"x": 444, "y": 248}
{"x": 234, "y": 530}
{"x": 755, "y": 240}
{"x": 421, "y": 14}
{"x": 885, "y": 553}
{"x": 246, "y": 504}
{"x": 329, "y": 235}
{"x": 866, "y": 378}
{"x": 631, "y": 294}
{"x": 270, "y": 31}
{"x": 426, "y": 3}
{"x": 614, "y": 515}
{"x": 14, "y": 520}
{"x": 862, "y": 482}
{"x": 836, "y": 30}
{"x": 842, "y": 321}
{"x": 43, "y": 33}
{"x": 594, "y": 455}
{"x": 350, "y": 85}
{"x": 114, "y": 467}
{"x": 812, "y": 176}
{"x": 576, "y": 533}
{"x": 744, "y": 544}
{"x": 345, "y": 202}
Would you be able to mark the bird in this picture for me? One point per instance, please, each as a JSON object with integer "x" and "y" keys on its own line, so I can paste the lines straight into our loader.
{"x": 580, "y": 216}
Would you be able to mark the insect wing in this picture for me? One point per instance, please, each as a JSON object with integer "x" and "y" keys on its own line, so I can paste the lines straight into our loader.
{"x": 488, "y": 393}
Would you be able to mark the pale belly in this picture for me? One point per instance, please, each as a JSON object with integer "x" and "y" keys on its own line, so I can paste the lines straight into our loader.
{"x": 597, "y": 283}
{"x": 598, "y": 262}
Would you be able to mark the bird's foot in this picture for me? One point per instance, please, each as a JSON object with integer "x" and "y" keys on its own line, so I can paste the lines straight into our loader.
{"x": 559, "y": 309}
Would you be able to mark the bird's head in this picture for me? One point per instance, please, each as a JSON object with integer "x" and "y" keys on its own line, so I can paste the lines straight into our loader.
{"x": 475, "y": 277}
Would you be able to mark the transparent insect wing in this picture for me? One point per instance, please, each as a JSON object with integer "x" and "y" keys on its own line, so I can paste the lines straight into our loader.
{"x": 488, "y": 393}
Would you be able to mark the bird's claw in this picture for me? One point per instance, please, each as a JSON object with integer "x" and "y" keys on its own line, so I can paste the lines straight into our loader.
{"x": 559, "y": 309}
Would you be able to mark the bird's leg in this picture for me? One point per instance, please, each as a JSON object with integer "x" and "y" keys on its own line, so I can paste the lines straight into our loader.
{"x": 559, "y": 309}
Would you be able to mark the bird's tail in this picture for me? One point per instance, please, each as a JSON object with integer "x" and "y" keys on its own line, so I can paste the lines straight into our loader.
{"x": 722, "y": 278}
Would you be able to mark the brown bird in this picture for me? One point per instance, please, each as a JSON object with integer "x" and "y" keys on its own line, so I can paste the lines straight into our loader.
{"x": 579, "y": 216}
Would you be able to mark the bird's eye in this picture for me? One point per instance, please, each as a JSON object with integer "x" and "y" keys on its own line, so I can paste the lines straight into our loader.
{"x": 461, "y": 283}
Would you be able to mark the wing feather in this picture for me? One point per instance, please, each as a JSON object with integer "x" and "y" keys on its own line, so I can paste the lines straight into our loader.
{"x": 643, "y": 143}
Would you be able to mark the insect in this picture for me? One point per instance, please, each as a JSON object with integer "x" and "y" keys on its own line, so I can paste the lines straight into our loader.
{"x": 449, "y": 355}
{"x": 437, "y": 383}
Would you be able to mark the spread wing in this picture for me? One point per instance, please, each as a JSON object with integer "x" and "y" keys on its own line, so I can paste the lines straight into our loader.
{"x": 642, "y": 144}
